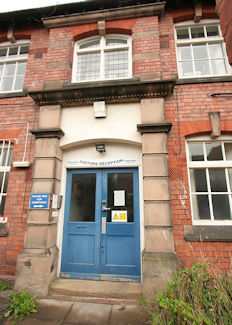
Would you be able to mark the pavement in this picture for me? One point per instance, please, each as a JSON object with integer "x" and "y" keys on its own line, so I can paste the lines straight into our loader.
{"x": 66, "y": 310}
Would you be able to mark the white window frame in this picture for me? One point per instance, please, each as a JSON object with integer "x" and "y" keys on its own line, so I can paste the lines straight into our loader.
{"x": 7, "y": 60}
{"x": 201, "y": 41}
{"x": 5, "y": 165}
{"x": 209, "y": 164}
{"x": 102, "y": 49}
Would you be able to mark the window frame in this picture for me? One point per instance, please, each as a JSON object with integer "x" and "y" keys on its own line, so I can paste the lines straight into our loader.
{"x": 218, "y": 164}
{"x": 102, "y": 49}
{"x": 18, "y": 59}
{"x": 5, "y": 167}
{"x": 206, "y": 40}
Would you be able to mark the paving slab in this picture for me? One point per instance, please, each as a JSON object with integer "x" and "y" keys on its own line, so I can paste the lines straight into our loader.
{"x": 89, "y": 314}
{"x": 52, "y": 309}
{"x": 128, "y": 315}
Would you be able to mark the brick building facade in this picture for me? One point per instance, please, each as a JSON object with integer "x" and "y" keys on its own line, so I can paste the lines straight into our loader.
{"x": 151, "y": 82}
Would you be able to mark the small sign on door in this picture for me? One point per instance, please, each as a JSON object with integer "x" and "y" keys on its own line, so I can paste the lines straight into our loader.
{"x": 119, "y": 216}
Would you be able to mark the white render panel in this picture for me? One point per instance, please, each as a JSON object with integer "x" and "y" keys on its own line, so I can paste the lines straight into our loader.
{"x": 120, "y": 125}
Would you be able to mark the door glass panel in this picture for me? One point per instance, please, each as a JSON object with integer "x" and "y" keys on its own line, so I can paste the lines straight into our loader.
{"x": 120, "y": 194}
{"x": 82, "y": 207}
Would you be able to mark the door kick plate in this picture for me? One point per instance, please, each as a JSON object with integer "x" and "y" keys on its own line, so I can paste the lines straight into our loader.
{"x": 103, "y": 225}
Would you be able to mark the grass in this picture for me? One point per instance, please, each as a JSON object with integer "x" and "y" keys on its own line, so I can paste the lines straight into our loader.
{"x": 195, "y": 296}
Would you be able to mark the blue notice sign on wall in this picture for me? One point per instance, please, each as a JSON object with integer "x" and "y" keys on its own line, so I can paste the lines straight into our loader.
{"x": 39, "y": 201}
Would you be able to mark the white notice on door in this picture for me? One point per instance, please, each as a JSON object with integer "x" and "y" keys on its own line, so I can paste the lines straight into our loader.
{"x": 119, "y": 216}
{"x": 119, "y": 198}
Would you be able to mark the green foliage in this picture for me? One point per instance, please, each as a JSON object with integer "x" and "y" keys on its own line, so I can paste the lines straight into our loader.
{"x": 5, "y": 286}
{"x": 142, "y": 302}
{"x": 21, "y": 304}
{"x": 195, "y": 296}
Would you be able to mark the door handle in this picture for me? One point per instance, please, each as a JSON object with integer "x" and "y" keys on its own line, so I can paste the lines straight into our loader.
{"x": 104, "y": 208}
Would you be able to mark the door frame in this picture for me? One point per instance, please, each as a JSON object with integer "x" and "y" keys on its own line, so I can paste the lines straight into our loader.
{"x": 98, "y": 210}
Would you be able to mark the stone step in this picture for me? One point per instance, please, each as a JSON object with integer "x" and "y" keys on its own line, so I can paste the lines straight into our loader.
{"x": 98, "y": 289}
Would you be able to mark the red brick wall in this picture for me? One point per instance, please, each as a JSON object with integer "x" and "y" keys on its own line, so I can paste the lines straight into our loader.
{"x": 224, "y": 9}
{"x": 194, "y": 107}
{"x": 14, "y": 110}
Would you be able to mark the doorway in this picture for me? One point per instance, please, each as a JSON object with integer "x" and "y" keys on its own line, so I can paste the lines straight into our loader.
{"x": 101, "y": 237}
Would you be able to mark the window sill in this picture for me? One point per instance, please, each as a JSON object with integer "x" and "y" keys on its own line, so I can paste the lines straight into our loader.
{"x": 208, "y": 233}
{"x": 13, "y": 94}
{"x": 203, "y": 80}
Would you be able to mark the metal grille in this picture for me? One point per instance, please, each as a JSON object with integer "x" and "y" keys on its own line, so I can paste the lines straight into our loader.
{"x": 175, "y": 173}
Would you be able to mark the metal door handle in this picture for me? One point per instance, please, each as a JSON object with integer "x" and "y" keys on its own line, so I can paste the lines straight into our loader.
{"x": 104, "y": 208}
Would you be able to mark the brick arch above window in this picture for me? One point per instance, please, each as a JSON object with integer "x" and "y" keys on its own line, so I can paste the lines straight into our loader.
{"x": 203, "y": 127}
{"x": 112, "y": 27}
{"x": 208, "y": 12}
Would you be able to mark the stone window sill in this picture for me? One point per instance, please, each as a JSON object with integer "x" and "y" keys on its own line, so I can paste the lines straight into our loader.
{"x": 13, "y": 94}
{"x": 208, "y": 233}
{"x": 203, "y": 80}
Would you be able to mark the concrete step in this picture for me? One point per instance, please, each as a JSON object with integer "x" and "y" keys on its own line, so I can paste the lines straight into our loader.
{"x": 98, "y": 289}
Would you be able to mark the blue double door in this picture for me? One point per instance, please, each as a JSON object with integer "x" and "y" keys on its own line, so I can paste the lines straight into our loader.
{"x": 101, "y": 225}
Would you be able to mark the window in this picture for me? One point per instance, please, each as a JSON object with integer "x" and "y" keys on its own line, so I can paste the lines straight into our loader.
{"x": 99, "y": 58}
{"x": 13, "y": 62}
{"x": 200, "y": 50}
{"x": 210, "y": 174}
{"x": 5, "y": 162}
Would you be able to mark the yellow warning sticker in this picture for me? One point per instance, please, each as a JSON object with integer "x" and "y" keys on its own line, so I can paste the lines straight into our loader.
{"x": 118, "y": 216}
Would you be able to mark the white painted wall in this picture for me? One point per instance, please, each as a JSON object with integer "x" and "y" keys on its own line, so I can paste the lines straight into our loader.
{"x": 120, "y": 125}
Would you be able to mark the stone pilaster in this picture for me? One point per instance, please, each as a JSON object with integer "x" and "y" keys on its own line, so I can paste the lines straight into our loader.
{"x": 159, "y": 259}
{"x": 37, "y": 262}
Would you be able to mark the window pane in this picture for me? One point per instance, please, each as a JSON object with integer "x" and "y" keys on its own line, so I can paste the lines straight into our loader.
{"x": 24, "y": 51}
{"x": 2, "y": 205}
{"x": 200, "y": 205}
{"x": 115, "y": 41}
{"x": 13, "y": 52}
{"x": 230, "y": 177}
{"x": 198, "y": 180}
{"x": 3, "y": 53}
{"x": 3, "y": 159}
{"x": 182, "y": 33}
{"x": 221, "y": 207}
{"x": 197, "y": 32}
{"x": 1, "y": 69}
{"x": 228, "y": 150}
{"x": 88, "y": 66}
{"x": 21, "y": 69}
{"x": 9, "y": 69}
{"x": 212, "y": 31}
{"x": 19, "y": 83}
{"x": 7, "y": 84}
{"x": 185, "y": 69}
{"x": 184, "y": 53}
{"x": 82, "y": 207}
{"x": 217, "y": 180}
{"x": 214, "y": 151}
{"x": 196, "y": 151}
{"x": 200, "y": 52}
{"x": 91, "y": 44}
{"x": 116, "y": 64}
{"x": 5, "y": 181}
{"x": 202, "y": 68}
{"x": 218, "y": 67}
{"x": 215, "y": 51}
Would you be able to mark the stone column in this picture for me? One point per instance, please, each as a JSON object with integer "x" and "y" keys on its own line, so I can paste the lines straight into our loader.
{"x": 37, "y": 262}
{"x": 159, "y": 259}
